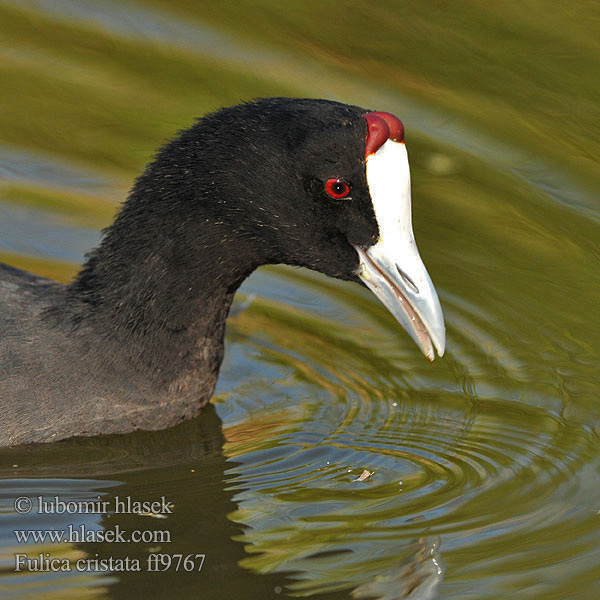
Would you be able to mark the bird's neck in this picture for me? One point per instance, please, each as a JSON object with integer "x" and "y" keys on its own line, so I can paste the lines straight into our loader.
{"x": 156, "y": 312}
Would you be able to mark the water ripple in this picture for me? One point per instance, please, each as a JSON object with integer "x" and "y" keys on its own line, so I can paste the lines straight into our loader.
{"x": 454, "y": 465}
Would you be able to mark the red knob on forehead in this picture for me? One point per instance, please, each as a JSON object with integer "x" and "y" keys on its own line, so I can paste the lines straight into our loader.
{"x": 395, "y": 125}
{"x": 381, "y": 127}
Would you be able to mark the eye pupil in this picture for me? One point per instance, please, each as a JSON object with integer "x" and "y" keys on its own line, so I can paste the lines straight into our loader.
{"x": 337, "y": 188}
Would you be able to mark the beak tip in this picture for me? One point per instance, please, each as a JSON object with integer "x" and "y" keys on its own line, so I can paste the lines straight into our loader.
{"x": 440, "y": 346}
{"x": 436, "y": 343}
{"x": 427, "y": 347}
{"x": 430, "y": 353}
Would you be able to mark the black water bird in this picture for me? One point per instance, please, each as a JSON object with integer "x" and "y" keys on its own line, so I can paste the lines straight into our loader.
{"x": 136, "y": 340}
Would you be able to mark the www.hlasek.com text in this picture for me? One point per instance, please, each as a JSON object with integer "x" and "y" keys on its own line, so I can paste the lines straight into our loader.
{"x": 75, "y": 534}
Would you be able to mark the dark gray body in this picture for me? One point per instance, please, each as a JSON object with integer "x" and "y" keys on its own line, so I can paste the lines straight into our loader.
{"x": 57, "y": 382}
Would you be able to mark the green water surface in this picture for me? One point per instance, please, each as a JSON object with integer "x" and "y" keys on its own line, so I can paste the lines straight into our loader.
{"x": 485, "y": 465}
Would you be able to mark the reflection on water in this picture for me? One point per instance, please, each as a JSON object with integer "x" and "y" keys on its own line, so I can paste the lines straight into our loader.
{"x": 485, "y": 463}
{"x": 471, "y": 463}
{"x": 21, "y": 585}
{"x": 417, "y": 579}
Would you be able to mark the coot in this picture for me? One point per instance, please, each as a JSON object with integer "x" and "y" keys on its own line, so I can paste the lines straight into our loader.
{"x": 136, "y": 340}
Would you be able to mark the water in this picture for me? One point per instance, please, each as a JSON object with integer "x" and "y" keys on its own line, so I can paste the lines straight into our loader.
{"x": 484, "y": 464}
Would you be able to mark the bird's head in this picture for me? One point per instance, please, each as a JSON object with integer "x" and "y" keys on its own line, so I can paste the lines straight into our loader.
{"x": 333, "y": 195}
{"x": 310, "y": 183}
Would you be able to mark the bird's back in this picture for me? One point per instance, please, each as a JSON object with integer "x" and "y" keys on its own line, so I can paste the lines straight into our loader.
{"x": 23, "y": 298}
{"x": 47, "y": 390}
{"x": 54, "y": 382}
{"x": 25, "y": 350}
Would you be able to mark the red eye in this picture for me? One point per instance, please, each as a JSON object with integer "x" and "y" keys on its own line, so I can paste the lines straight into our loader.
{"x": 337, "y": 188}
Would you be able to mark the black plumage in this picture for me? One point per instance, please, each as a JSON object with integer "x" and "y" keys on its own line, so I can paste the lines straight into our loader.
{"x": 136, "y": 340}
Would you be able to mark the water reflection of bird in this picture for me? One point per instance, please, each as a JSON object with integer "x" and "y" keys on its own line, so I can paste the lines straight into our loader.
{"x": 136, "y": 340}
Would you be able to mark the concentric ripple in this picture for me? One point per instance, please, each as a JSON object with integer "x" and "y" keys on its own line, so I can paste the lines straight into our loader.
{"x": 472, "y": 464}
